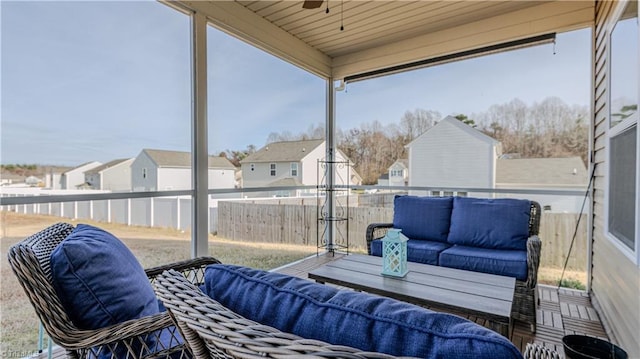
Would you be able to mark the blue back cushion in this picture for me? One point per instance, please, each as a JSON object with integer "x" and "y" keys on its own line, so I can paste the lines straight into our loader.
{"x": 490, "y": 223}
{"x": 423, "y": 217}
{"x": 99, "y": 281}
{"x": 345, "y": 317}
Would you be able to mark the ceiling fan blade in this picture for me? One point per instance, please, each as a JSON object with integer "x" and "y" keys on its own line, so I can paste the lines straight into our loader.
{"x": 312, "y": 4}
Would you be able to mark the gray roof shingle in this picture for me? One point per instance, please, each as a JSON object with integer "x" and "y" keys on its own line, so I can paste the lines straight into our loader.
{"x": 164, "y": 158}
{"x": 569, "y": 171}
{"x": 286, "y": 151}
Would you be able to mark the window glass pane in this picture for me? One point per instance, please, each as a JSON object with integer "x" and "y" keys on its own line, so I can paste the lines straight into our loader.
{"x": 624, "y": 66}
{"x": 622, "y": 186}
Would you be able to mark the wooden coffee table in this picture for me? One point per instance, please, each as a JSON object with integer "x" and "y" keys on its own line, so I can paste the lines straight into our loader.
{"x": 480, "y": 295}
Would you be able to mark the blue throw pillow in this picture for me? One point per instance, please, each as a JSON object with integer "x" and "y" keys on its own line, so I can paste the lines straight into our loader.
{"x": 345, "y": 317}
{"x": 490, "y": 223}
{"x": 99, "y": 281}
{"x": 423, "y": 217}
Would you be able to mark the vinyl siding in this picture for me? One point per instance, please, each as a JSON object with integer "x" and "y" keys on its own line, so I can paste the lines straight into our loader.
{"x": 117, "y": 178}
{"x": 138, "y": 183}
{"x": 615, "y": 280}
{"x": 447, "y": 157}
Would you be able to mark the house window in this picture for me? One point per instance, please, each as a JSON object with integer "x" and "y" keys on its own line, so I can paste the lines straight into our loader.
{"x": 252, "y": 167}
{"x": 435, "y": 193}
{"x": 144, "y": 173}
{"x": 396, "y": 173}
{"x": 294, "y": 169}
{"x": 272, "y": 169}
{"x": 622, "y": 191}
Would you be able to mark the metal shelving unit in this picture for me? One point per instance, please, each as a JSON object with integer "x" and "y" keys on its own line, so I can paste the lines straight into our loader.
{"x": 333, "y": 228}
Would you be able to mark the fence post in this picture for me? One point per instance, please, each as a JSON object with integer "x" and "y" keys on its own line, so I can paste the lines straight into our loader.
{"x": 151, "y": 212}
{"x": 128, "y": 211}
{"x": 178, "y": 212}
{"x": 108, "y": 211}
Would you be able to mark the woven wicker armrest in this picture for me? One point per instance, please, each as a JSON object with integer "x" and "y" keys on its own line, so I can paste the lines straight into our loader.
{"x": 192, "y": 269}
{"x": 376, "y": 231}
{"x": 213, "y": 331}
{"x": 536, "y": 351}
{"x": 534, "y": 246}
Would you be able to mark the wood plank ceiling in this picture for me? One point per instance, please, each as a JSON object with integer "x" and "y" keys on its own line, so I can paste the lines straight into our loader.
{"x": 370, "y": 24}
{"x": 382, "y": 34}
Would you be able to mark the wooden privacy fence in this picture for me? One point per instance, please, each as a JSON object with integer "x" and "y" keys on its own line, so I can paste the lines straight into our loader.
{"x": 297, "y": 224}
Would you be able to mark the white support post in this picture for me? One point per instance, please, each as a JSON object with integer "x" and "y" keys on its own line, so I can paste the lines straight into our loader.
{"x": 330, "y": 157}
{"x": 199, "y": 149}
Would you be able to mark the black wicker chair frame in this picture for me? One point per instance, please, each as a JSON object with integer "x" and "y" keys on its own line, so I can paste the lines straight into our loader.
{"x": 525, "y": 298}
{"x": 29, "y": 260}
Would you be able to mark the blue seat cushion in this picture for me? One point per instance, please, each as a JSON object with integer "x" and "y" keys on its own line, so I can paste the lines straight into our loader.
{"x": 506, "y": 262}
{"x": 490, "y": 223}
{"x": 100, "y": 282}
{"x": 426, "y": 252}
{"x": 346, "y": 317}
{"x": 423, "y": 217}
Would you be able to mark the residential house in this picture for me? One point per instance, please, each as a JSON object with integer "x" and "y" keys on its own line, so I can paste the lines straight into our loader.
{"x": 453, "y": 154}
{"x": 293, "y": 163}
{"x": 383, "y": 180}
{"x": 113, "y": 176}
{"x": 74, "y": 178}
{"x": 399, "y": 173}
{"x": 162, "y": 170}
{"x": 545, "y": 174}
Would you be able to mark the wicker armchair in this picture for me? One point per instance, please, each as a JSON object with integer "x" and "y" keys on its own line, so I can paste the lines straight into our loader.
{"x": 29, "y": 260}
{"x": 525, "y": 297}
{"x": 213, "y": 331}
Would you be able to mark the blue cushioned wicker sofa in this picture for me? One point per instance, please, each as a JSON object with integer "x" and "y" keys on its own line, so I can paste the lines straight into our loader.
{"x": 496, "y": 236}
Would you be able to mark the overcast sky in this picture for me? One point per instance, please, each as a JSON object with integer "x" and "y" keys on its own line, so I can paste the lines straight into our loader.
{"x": 86, "y": 81}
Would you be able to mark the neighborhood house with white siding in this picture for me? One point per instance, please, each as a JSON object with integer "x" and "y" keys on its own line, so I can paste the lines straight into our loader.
{"x": 291, "y": 163}
{"x": 162, "y": 170}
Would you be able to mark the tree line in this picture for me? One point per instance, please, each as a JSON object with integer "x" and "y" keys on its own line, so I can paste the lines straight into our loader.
{"x": 550, "y": 128}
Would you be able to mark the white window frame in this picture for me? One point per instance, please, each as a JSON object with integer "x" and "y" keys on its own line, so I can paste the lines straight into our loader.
{"x": 294, "y": 169}
{"x": 144, "y": 173}
{"x": 632, "y": 254}
{"x": 272, "y": 169}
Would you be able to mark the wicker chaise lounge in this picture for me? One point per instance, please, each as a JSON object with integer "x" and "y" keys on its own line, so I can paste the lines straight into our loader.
{"x": 526, "y": 294}
{"x": 213, "y": 331}
{"x": 30, "y": 261}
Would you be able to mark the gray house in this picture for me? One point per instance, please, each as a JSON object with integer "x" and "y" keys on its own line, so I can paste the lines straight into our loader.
{"x": 291, "y": 163}
{"x": 113, "y": 176}
{"x": 453, "y": 154}
{"x": 74, "y": 178}
{"x": 161, "y": 170}
{"x": 567, "y": 173}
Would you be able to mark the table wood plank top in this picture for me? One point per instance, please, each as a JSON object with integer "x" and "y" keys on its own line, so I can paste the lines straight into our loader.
{"x": 471, "y": 292}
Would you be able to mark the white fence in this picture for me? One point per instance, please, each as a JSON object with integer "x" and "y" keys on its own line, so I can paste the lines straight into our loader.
{"x": 168, "y": 212}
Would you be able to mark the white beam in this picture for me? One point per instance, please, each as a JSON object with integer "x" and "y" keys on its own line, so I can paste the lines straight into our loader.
{"x": 244, "y": 24}
{"x": 199, "y": 148}
{"x": 557, "y": 16}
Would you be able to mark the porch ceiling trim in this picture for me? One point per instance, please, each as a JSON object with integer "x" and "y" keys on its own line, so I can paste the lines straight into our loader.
{"x": 244, "y": 24}
{"x": 557, "y": 16}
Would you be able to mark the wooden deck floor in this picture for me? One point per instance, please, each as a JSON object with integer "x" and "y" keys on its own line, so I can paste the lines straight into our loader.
{"x": 561, "y": 311}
